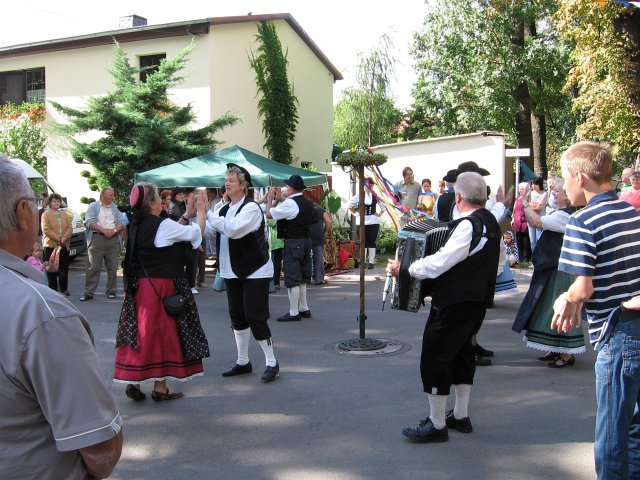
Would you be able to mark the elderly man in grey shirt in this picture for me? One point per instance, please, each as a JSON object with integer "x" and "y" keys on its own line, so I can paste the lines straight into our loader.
{"x": 57, "y": 417}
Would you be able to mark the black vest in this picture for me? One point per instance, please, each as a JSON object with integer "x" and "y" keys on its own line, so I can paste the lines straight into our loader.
{"x": 473, "y": 279}
{"x": 164, "y": 262}
{"x": 370, "y": 209}
{"x": 445, "y": 206}
{"x": 249, "y": 253}
{"x": 299, "y": 226}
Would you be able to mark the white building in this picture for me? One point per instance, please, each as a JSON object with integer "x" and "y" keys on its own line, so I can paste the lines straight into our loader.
{"x": 218, "y": 79}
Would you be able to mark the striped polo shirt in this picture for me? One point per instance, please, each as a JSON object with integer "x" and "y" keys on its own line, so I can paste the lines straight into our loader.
{"x": 602, "y": 241}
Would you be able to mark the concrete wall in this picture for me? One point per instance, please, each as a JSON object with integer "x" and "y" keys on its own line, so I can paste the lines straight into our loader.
{"x": 432, "y": 159}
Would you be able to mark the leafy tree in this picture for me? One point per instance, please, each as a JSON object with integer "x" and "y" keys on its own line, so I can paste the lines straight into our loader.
{"x": 21, "y": 133}
{"x": 492, "y": 65}
{"x": 366, "y": 114}
{"x": 605, "y": 73}
{"x": 140, "y": 127}
{"x": 277, "y": 104}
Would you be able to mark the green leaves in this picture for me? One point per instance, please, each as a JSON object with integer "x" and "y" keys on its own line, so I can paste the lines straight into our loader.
{"x": 277, "y": 104}
{"x": 138, "y": 125}
{"x": 366, "y": 114}
{"x": 607, "y": 94}
{"x": 21, "y": 133}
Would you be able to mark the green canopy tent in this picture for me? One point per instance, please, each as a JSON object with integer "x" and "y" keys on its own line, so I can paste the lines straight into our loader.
{"x": 209, "y": 170}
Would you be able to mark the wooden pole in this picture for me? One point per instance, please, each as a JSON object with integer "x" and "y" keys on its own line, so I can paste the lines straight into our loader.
{"x": 361, "y": 317}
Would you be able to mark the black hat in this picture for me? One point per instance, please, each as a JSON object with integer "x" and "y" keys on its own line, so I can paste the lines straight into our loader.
{"x": 451, "y": 176}
{"x": 472, "y": 167}
{"x": 247, "y": 175}
{"x": 296, "y": 182}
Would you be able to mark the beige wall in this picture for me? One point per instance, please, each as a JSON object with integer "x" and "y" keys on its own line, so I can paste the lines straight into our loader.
{"x": 218, "y": 79}
{"x": 433, "y": 158}
{"x": 234, "y": 90}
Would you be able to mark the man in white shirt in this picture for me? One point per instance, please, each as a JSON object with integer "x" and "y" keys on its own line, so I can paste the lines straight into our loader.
{"x": 245, "y": 266}
{"x": 294, "y": 215}
{"x": 464, "y": 270}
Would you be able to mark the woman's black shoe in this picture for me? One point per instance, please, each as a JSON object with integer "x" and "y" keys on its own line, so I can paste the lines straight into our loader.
{"x": 548, "y": 357}
{"x": 134, "y": 393}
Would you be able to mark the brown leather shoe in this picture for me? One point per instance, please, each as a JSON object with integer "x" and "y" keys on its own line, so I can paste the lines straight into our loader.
{"x": 158, "y": 396}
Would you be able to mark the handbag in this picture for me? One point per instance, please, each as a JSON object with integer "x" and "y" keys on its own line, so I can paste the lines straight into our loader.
{"x": 54, "y": 260}
{"x": 218, "y": 283}
{"x": 173, "y": 305}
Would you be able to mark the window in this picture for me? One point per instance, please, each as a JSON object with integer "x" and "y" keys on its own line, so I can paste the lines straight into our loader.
{"x": 150, "y": 64}
{"x": 22, "y": 86}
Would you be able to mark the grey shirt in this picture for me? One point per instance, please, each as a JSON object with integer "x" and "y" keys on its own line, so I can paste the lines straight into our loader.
{"x": 409, "y": 192}
{"x": 53, "y": 398}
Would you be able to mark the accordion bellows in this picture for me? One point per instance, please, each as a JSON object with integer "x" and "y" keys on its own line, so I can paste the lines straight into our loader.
{"x": 418, "y": 239}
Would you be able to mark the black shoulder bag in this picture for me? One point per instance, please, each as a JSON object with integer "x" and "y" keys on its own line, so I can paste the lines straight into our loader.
{"x": 173, "y": 305}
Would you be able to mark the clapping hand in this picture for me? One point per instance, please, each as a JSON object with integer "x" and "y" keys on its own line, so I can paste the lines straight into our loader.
{"x": 191, "y": 206}
{"x": 201, "y": 201}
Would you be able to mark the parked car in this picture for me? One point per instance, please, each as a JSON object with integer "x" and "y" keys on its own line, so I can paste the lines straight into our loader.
{"x": 40, "y": 184}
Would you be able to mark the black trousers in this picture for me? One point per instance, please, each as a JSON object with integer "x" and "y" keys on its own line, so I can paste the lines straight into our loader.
{"x": 370, "y": 235}
{"x": 191, "y": 265}
{"x": 276, "y": 258}
{"x": 249, "y": 305}
{"x": 447, "y": 353}
{"x": 524, "y": 245}
{"x": 58, "y": 281}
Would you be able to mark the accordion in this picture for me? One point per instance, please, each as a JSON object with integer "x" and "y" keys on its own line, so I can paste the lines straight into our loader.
{"x": 417, "y": 240}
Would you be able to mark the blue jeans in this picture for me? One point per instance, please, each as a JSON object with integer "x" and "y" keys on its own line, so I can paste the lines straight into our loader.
{"x": 617, "y": 442}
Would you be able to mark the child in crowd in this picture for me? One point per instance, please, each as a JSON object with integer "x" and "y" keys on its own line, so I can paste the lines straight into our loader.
{"x": 35, "y": 258}
{"x": 512, "y": 248}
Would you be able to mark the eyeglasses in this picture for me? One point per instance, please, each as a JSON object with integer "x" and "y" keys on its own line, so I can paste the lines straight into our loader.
{"x": 29, "y": 199}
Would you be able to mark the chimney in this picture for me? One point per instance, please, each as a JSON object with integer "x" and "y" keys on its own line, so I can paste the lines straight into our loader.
{"x": 132, "y": 21}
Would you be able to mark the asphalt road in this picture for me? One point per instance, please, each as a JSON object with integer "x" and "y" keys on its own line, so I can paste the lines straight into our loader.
{"x": 335, "y": 416}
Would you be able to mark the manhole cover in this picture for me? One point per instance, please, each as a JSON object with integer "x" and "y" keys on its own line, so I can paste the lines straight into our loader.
{"x": 361, "y": 347}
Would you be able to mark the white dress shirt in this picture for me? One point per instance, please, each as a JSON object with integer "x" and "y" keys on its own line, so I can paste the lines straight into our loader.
{"x": 453, "y": 252}
{"x": 236, "y": 226}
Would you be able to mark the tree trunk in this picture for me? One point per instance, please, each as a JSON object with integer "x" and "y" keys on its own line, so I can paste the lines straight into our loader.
{"x": 523, "y": 100}
{"x": 538, "y": 122}
{"x": 523, "y": 120}
{"x": 539, "y": 137}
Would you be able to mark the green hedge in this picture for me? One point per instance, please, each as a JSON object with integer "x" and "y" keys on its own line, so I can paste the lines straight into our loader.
{"x": 387, "y": 240}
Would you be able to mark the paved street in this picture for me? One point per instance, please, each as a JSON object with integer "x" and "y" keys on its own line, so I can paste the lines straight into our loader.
{"x": 331, "y": 416}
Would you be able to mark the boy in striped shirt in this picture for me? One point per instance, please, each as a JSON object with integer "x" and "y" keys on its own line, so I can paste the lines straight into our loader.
{"x": 602, "y": 249}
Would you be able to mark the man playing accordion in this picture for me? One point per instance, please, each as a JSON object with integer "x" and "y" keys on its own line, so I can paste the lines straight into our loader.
{"x": 464, "y": 281}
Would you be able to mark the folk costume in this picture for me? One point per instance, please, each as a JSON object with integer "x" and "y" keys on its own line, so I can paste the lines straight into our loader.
{"x": 150, "y": 344}
{"x": 547, "y": 284}
{"x": 294, "y": 216}
{"x": 247, "y": 270}
{"x": 372, "y": 205}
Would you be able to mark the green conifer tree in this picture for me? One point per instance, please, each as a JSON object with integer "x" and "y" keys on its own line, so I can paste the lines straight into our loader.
{"x": 277, "y": 103}
{"x": 140, "y": 127}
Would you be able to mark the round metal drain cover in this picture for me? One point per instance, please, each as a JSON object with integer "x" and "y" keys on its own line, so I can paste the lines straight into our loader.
{"x": 362, "y": 344}
{"x": 369, "y": 347}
